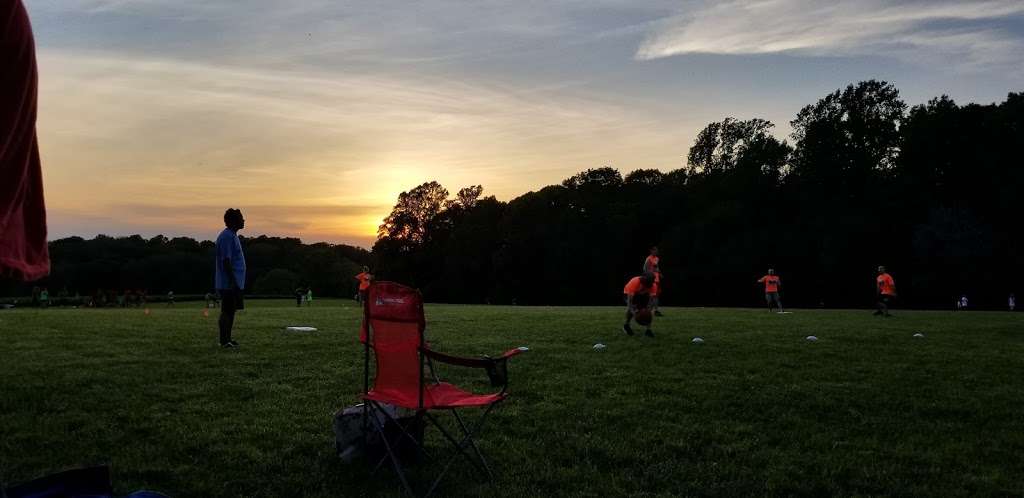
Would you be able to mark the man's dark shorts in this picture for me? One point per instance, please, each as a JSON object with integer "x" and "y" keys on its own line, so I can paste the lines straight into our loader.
{"x": 231, "y": 300}
{"x": 772, "y": 297}
{"x": 887, "y": 299}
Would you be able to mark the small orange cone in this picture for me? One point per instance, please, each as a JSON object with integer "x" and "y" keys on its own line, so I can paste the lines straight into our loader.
{"x": 147, "y": 311}
{"x": 206, "y": 312}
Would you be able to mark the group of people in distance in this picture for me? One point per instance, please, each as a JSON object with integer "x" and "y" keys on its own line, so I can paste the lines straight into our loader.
{"x": 641, "y": 294}
{"x": 303, "y": 296}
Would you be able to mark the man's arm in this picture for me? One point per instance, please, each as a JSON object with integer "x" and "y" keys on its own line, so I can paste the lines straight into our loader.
{"x": 226, "y": 264}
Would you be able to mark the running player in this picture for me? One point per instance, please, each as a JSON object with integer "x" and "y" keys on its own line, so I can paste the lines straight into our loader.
{"x": 638, "y": 296}
{"x": 886, "y": 290}
{"x": 652, "y": 265}
{"x": 771, "y": 289}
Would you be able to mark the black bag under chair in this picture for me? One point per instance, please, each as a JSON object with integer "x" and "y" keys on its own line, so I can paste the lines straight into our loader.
{"x": 353, "y": 438}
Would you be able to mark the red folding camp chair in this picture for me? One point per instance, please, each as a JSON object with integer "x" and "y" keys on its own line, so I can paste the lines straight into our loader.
{"x": 393, "y": 325}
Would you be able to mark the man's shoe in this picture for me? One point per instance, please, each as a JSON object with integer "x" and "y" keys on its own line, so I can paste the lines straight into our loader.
{"x": 229, "y": 345}
{"x": 627, "y": 329}
{"x": 877, "y": 313}
{"x": 233, "y": 343}
{"x": 658, "y": 313}
{"x": 648, "y": 333}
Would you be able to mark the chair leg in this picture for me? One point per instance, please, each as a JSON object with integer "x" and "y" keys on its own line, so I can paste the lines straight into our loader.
{"x": 459, "y": 445}
{"x": 467, "y": 441}
{"x": 391, "y": 454}
{"x": 472, "y": 442}
{"x": 404, "y": 433}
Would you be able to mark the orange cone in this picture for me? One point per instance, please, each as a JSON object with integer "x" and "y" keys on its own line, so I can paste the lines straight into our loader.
{"x": 206, "y": 312}
{"x": 147, "y": 311}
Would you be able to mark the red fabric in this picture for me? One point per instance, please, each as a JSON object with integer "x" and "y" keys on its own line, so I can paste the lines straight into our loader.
{"x": 23, "y": 251}
{"x": 443, "y": 395}
{"x": 394, "y": 314}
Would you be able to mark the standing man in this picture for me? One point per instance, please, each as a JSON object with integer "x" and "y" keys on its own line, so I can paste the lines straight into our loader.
{"x": 1012, "y": 301}
{"x": 364, "y": 279}
{"x": 23, "y": 249}
{"x": 638, "y": 296}
{"x": 229, "y": 274}
{"x": 309, "y": 296}
{"x": 771, "y": 289}
{"x": 652, "y": 265}
{"x": 885, "y": 287}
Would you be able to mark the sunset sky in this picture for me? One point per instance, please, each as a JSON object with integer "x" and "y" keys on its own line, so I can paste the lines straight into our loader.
{"x": 311, "y": 116}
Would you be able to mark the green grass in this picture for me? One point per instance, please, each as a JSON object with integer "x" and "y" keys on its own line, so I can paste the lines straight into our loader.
{"x": 756, "y": 410}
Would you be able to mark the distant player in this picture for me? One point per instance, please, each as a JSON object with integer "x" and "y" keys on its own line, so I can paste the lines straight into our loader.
{"x": 309, "y": 296}
{"x": 771, "y": 283}
{"x": 364, "y": 279}
{"x": 638, "y": 296}
{"x": 170, "y": 298}
{"x": 1012, "y": 301}
{"x": 963, "y": 302}
{"x": 885, "y": 287}
{"x": 652, "y": 265}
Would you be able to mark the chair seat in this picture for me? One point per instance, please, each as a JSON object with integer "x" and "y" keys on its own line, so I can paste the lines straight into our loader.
{"x": 443, "y": 395}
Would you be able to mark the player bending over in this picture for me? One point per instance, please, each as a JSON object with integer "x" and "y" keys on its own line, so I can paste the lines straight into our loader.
{"x": 638, "y": 296}
{"x": 771, "y": 283}
{"x": 886, "y": 288}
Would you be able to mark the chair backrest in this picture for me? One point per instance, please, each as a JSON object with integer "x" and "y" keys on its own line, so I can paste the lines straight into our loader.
{"x": 393, "y": 322}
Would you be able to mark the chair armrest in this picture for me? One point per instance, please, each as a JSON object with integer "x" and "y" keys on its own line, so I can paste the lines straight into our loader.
{"x": 456, "y": 360}
{"x": 497, "y": 368}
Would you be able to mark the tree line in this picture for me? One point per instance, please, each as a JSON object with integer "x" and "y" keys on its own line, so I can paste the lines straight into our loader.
{"x": 933, "y": 192}
{"x": 275, "y": 266}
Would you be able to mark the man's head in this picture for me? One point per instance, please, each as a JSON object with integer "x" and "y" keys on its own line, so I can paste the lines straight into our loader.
{"x": 647, "y": 279}
{"x": 881, "y": 269}
{"x": 233, "y": 219}
{"x": 654, "y": 250}
{"x": 366, "y": 269}
{"x": 771, "y": 271}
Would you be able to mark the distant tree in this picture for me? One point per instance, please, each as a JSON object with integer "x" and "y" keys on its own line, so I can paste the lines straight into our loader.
{"x": 725, "y": 145}
{"x": 415, "y": 209}
{"x": 849, "y": 133}
{"x": 277, "y": 281}
{"x": 648, "y": 177}
{"x": 606, "y": 177}
{"x": 466, "y": 198}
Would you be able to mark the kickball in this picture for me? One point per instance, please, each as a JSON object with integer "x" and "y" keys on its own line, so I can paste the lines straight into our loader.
{"x": 643, "y": 317}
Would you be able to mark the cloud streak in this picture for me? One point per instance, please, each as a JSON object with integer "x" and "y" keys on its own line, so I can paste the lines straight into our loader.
{"x": 871, "y": 27}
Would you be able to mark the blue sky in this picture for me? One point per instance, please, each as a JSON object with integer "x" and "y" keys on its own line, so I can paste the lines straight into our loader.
{"x": 312, "y": 116}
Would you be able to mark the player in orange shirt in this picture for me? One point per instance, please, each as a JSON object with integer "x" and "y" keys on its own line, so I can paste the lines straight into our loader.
{"x": 638, "y": 296}
{"x": 886, "y": 289}
{"x": 364, "y": 279}
{"x": 652, "y": 265}
{"x": 771, "y": 283}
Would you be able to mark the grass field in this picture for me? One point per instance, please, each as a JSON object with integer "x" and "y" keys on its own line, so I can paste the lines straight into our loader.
{"x": 755, "y": 410}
